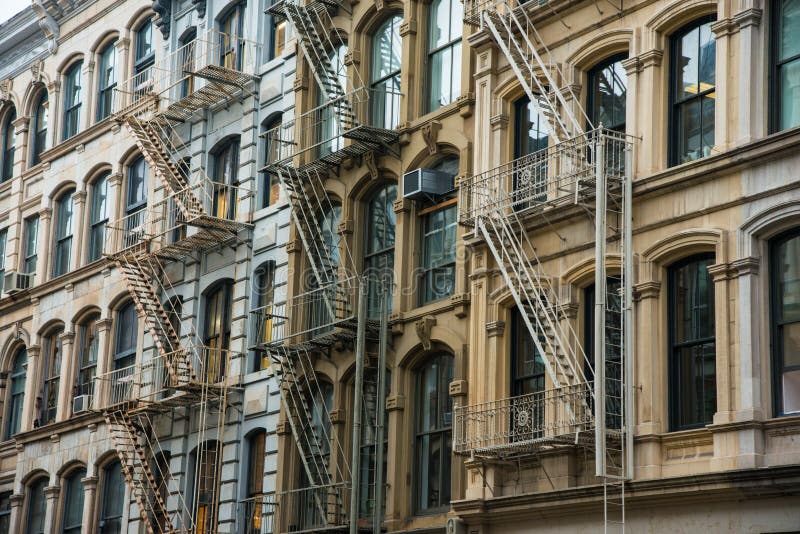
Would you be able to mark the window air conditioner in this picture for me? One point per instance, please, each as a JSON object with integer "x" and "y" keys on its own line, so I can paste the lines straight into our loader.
{"x": 14, "y": 281}
{"x": 422, "y": 183}
{"x": 81, "y": 403}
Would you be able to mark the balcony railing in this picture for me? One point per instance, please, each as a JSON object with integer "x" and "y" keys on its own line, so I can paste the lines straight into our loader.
{"x": 556, "y": 176}
{"x": 312, "y": 509}
{"x": 259, "y": 514}
{"x": 307, "y": 315}
{"x": 209, "y": 204}
{"x": 149, "y": 381}
{"x": 525, "y": 424}
{"x": 473, "y": 9}
{"x": 331, "y": 127}
{"x": 213, "y": 56}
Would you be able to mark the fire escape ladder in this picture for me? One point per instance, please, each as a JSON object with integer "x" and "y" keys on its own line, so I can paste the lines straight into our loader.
{"x": 137, "y": 469}
{"x": 521, "y": 43}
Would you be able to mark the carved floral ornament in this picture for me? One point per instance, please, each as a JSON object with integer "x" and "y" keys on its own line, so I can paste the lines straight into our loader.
{"x": 424, "y": 327}
{"x": 5, "y": 89}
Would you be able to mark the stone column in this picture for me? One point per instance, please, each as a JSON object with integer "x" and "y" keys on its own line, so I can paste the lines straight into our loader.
{"x": 67, "y": 376}
{"x": 721, "y": 276}
{"x": 51, "y": 512}
{"x": 122, "y": 45}
{"x": 21, "y": 127}
{"x": 89, "y": 491}
{"x": 750, "y": 80}
{"x": 78, "y": 254}
{"x": 723, "y": 113}
{"x": 53, "y": 108}
{"x": 16, "y": 512}
{"x": 633, "y": 68}
{"x": 100, "y": 393}
{"x": 115, "y": 199}
{"x": 31, "y": 387}
{"x": 43, "y": 247}
{"x": 87, "y": 108}
{"x": 651, "y": 110}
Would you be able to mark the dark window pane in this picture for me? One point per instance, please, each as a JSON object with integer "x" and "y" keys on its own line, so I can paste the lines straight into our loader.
{"x": 789, "y": 43}
{"x": 790, "y": 93}
{"x": 37, "y": 505}
{"x": 112, "y": 500}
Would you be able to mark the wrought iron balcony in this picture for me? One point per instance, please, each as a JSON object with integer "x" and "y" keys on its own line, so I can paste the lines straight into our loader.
{"x": 526, "y": 424}
{"x": 163, "y": 381}
{"x": 561, "y": 175}
{"x": 260, "y": 513}
{"x": 320, "y": 316}
{"x": 206, "y": 71}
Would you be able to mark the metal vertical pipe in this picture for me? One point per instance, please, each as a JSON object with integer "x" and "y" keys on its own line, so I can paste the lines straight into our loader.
{"x": 628, "y": 352}
{"x": 600, "y": 306}
{"x": 355, "y": 464}
{"x": 381, "y": 411}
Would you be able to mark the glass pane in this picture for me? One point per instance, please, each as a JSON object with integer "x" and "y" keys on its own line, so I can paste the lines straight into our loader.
{"x": 788, "y": 271}
{"x": 791, "y": 392}
{"x": 694, "y": 302}
{"x": 697, "y": 387}
{"x": 707, "y": 122}
{"x": 789, "y": 29}
{"x": 687, "y": 58}
{"x": 137, "y": 189}
{"x": 387, "y": 49}
{"x": 791, "y": 344}
{"x": 707, "y": 63}
{"x": 144, "y": 41}
{"x": 689, "y": 131}
{"x": 790, "y": 93}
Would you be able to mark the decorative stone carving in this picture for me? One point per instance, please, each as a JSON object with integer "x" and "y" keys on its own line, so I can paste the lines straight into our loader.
{"x": 372, "y": 167}
{"x": 5, "y": 89}
{"x": 163, "y": 9}
{"x": 48, "y": 24}
{"x": 430, "y": 133}
{"x": 495, "y": 328}
{"x": 200, "y": 6}
{"x": 37, "y": 69}
{"x": 423, "y": 328}
{"x": 458, "y": 388}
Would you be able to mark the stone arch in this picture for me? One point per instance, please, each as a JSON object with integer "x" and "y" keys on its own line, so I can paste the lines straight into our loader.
{"x": 601, "y": 47}
{"x": 681, "y": 245}
{"x": 672, "y": 17}
{"x": 766, "y": 224}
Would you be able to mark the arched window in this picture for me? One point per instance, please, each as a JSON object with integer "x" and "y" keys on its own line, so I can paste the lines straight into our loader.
{"x": 439, "y": 225}
{"x": 693, "y": 368}
{"x": 88, "y": 352}
{"x": 692, "y": 91}
{"x": 278, "y": 37}
{"x": 433, "y": 434}
{"x": 273, "y": 152}
{"x": 126, "y": 336}
{"x": 98, "y": 217}
{"x": 37, "y": 507}
{"x": 112, "y": 499}
{"x": 444, "y": 52}
{"x": 329, "y": 129}
{"x": 387, "y": 50}
{"x": 136, "y": 197}
{"x": 31, "y": 236}
{"x": 9, "y": 143}
{"x": 607, "y": 93}
{"x": 206, "y": 465}
{"x": 63, "y": 234}
{"x": 785, "y": 321}
{"x": 263, "y": 301}
{"x": 52, "y": 353}
{"x": 320, "y": 316}
{"x": 39, "y": 127}
{"x": 232, "y": 49}
{"x": 226, "y": 179}
{"x": 16, "y": 395}
{"x": 256, "y": 448}
{"x": 217, "y": 330}
{"x": 379, "y": 253}
{"x": 145, "y": 54}
{"x": 72, "y": 515}
{"x": 72, "y": 100}
{"x": 107, "y": 81}
{"x": 786, "y": 64}
{"x": 186, "y": 59}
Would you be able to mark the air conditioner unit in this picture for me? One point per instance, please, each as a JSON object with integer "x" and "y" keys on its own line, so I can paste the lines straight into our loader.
{"x": 14, "y": 281}
{"x": 422, "y": 183}
{"x": 455, "y": 526}
{"x": 81, "y": 404}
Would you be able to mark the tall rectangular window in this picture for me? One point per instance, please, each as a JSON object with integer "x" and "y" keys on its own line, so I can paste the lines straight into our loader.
{"x": 226, "y": 181}
{"x": 5, "y": 512}
{"x": 527, "y": 383}
{"x": 72, "y": 100}
{"x": 73, "y": 503}
{"x": 692, "y": 369}
{"x": 107, "y": 81}
{"x": 692, "y": 92}
{"x": 3, "y": 240}
{"x": 786, "y": 46}
{"x": 386, "y": 55}
{"x": 607, "y": 93}
{"x": 9, "y": 145}
{"x": 126, "y": 334}
{"x": 264, "y": 300}
{"x": 51, "y": 378}
{"x": 63, "y": 237}
{"x": 98, "y": 218}
{"x": 439, "y": 228}
{"x": 112, "y": 499}
{"x": 88, "y": 349}
{"x": 785, "y": 318}
{"x": 232, "y": 45}
{"x": 444, "y": 52}
{"x": 16, "y": 397}
{"x": 40, "y": 118}
{"x": 31, "y": 237}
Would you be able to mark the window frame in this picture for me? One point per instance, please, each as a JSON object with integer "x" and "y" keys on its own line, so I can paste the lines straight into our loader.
{"x": 231, "y": 41}
{"x": 39, "y": 138}
{"x": 107, "y": 61}
{"x": 264, "y": 277}
{"x": 379, "y": 82}
{"x": 30, "y": 258}
{"x": 775, "y": 324}
{"x": 431, "y": 52}
{"x": 674, "y": 103}
{"x": 33, "y": 491}
{"x": 88, "y": 330}
{"x": 9, "y": 145}
{"x": 226, "y": 179}
{"x": 141, "y": 61}
{"x": 73, "y": 85}
{"x": 445, "y": 433}
{"x": 63, "y": 234}
{"x": 125, "y": 354}
{"x": 5, "y": 511}
{"x": 12, "y": 422}
{"x": 592, "y": 75}
{"x": 53, "y": 354}
{"x": 75, "y": 477}
{"x": 673, "y": 363}
{"x": 97, "y": 225}
{"x": 374, "y": 256}
{"x": 217, "y": 342}
{"x": 427, "y": 269}
{"x": 104, "y": 513}
{"x": 776, "y": 63}
{"x": 271, "y": 153}
{"x": 3, "y": 245}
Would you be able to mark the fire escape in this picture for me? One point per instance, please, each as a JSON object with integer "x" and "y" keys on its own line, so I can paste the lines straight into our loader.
{"x": 343, "y": 127}
{"x": 193, "y": 214}
{"x": 588, "y": 399}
